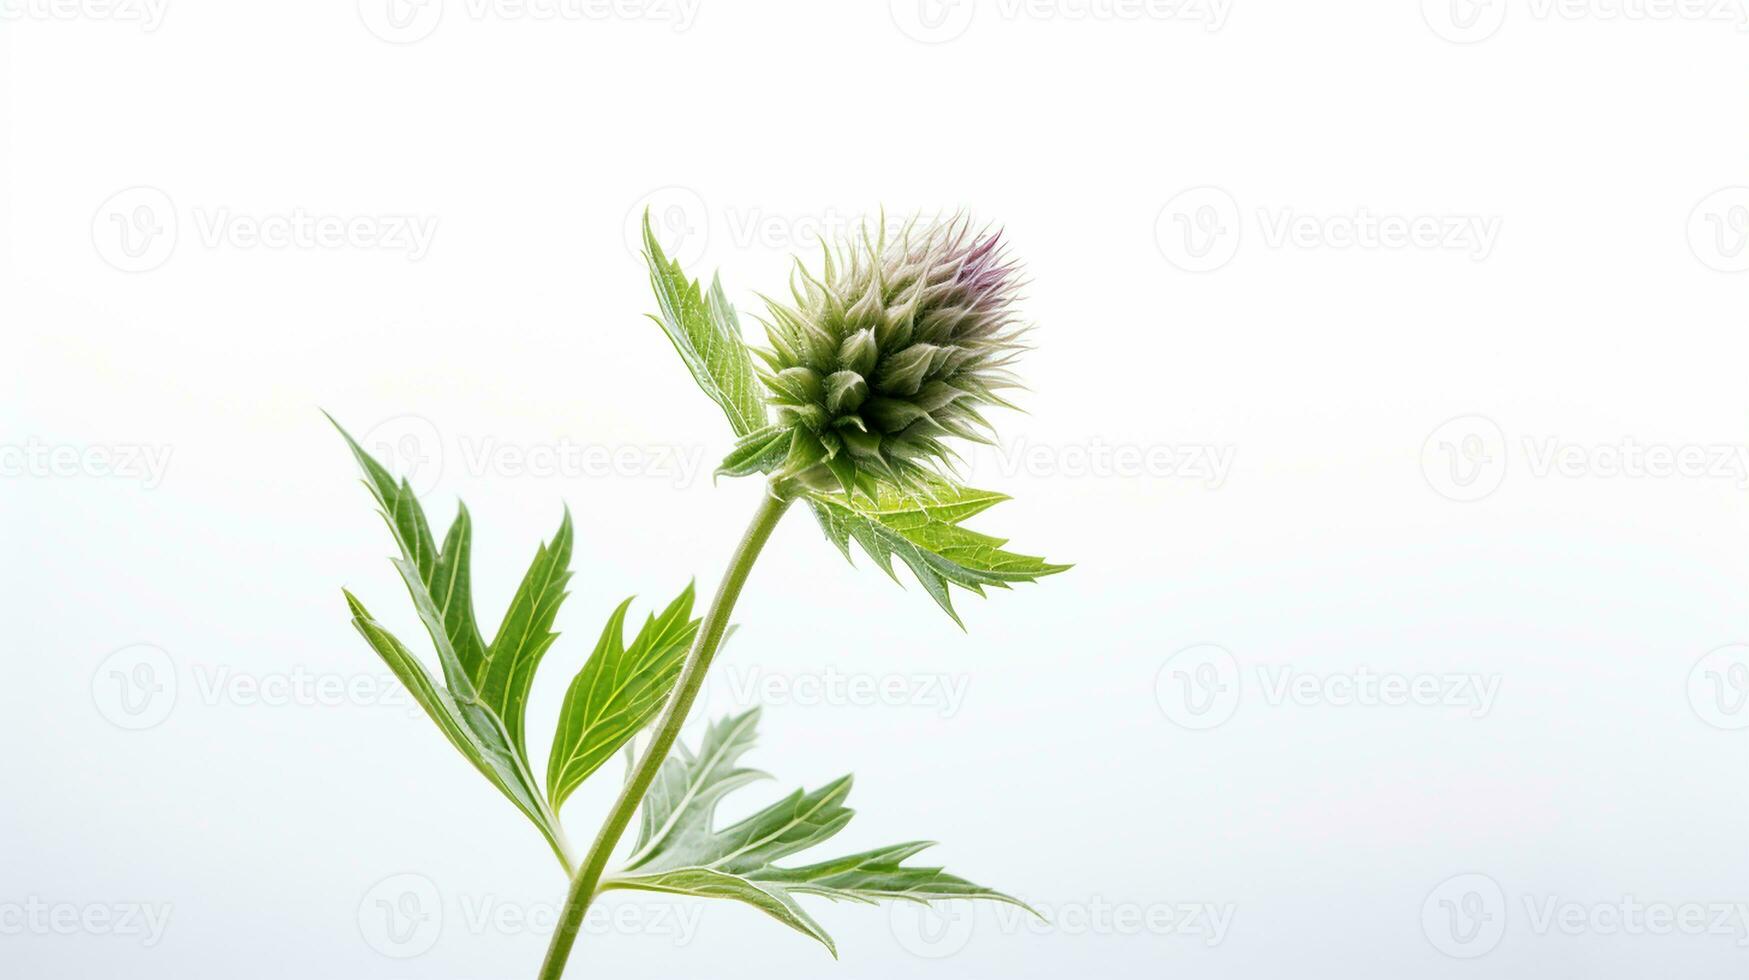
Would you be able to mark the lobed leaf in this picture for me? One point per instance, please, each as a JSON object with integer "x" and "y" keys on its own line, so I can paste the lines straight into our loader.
{"x": 680, "y": 851}
{"x": 922, "y": 529}
{"x": 480, "y": 706}
{"x": 469, "y": 725}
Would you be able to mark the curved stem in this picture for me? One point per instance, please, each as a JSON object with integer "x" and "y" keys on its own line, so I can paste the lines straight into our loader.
{"x": 710, "y": 636}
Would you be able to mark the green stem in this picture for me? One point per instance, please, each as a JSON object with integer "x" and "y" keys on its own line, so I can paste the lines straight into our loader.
{"x": 710, "y": 635}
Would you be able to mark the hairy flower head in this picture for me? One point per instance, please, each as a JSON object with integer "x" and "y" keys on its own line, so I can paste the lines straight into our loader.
{"x": 891, "y": 350}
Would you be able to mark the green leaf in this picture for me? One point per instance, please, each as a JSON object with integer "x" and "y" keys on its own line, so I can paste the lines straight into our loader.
{"x": 707, "y": 335}
{"x": 451, "y": 587}
{"x": 507, "y": 671}
{"x": 922, "y": 528}
{"x": 480, "y": 706}
{"x": 618, "y": 691}
{"x": 759, "y": 451}
{"x": 470, "y": 726}
{"x": 679, "y": 850}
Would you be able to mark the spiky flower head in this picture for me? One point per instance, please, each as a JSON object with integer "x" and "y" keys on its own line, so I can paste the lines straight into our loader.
{"x": 890, "y": 351}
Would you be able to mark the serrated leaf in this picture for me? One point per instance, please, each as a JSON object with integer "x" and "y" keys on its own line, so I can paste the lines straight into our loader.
{"x": 679, "y": 850}
{"x": 479, "y": 707}
{"x": 922, "y": 528}
{"x": 471, "y": 727}
{"x": 507, "y": 671}
{"x": 759, "y": 451}
{"x": 618, "y": 691}
{"x": 705, "y": 883}
{"x": 451, "y": 587}
{"x": 707, "y": 335}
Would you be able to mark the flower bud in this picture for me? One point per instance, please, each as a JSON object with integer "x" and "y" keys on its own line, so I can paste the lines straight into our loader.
{"x": 891, "y": 350}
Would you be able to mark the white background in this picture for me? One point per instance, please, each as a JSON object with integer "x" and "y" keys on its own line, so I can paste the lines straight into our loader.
{"x": 1191, "y": 189}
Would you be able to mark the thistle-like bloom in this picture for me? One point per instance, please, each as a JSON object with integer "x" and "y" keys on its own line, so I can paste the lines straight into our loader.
{"x": 891, "y": 350}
